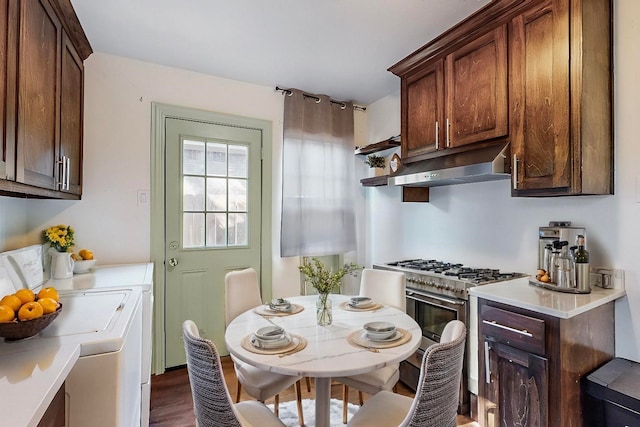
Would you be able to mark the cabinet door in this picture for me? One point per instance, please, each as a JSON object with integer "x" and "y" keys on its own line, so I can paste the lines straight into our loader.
{"x": 477, "y": 104}
{"x": 423, "y": 110}
{"x": 71, "y": 101}
{"x": 518, "y": 390}
{"x": 7, "y": 60}
{"x": 539, "y": 97}
{"x": 38, "y": 96}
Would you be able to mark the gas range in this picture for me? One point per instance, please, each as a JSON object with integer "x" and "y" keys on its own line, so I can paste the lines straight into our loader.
{"x": 446, "y": 278}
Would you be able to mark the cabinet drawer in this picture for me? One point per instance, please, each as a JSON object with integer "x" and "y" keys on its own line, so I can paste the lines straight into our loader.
{"x": 517, "y": 330}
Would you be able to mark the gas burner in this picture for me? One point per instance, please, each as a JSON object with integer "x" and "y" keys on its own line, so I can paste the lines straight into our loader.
{"x": 454, "y": 271}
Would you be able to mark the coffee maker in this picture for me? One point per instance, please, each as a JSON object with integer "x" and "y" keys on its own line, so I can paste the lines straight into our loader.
{"x": 558, "y": 230}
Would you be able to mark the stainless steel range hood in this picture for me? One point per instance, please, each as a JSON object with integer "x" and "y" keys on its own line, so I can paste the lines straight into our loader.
{"x": 475, "y": 165}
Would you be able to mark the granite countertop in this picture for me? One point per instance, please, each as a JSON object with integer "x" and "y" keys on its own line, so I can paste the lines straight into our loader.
{"x": 519, "y": 293}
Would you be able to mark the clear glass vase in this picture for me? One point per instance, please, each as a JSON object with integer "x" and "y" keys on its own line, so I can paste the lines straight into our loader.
{"x": 324, "y": 315}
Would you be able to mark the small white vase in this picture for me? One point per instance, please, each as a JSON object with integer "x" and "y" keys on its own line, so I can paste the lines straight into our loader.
{"x": 61, "y": 265}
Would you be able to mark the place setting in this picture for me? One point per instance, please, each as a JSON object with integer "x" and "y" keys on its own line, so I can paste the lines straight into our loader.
{"x": 378, "y": 335}
{"x": 273, "y": 339}
{"x": 360, "y": 304}
{"x": 278, "y": 307}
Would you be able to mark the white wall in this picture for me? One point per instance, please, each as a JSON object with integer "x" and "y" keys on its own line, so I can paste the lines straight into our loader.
{"x": 117, "y": 147}
{"x": 481, "y": 225}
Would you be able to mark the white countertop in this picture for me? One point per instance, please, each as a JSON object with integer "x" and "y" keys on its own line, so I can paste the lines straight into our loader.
{"x": 29, "y": 379}
{"x": 32, "y": 370}
{"x": 519, "y": 293}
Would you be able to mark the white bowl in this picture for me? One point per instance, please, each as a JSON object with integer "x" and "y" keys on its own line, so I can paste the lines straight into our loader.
{"x": 269, "y": 333}
{"x": 81, "y": 267}
{"x": 379, "y": 330}
{"x": 360, "y": 302}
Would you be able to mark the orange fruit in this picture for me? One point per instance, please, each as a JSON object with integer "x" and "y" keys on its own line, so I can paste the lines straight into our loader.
{"x": 49, "y": 305}
{"x": 86, "y": 254}
{"x": 25, "y": 295}
{"x": 49, "y": 292}
{"x": 12, "y": 301}
{"x": 30, "y": 310}
{"x": 6, "y": 313}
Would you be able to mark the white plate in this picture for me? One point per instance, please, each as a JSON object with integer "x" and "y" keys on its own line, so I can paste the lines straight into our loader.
{"x": 396, "y": 336}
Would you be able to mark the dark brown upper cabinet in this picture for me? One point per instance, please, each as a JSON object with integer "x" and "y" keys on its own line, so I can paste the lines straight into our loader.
{"x": 43, "y": 103}
{"x": 535, "y": 73}
{"x": 476, "y": 78}
{"x": 561, "y": 100}
{"x": 459, "y": 100}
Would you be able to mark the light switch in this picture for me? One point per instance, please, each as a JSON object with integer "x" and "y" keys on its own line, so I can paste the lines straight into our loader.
{"x": 143, "y": 197}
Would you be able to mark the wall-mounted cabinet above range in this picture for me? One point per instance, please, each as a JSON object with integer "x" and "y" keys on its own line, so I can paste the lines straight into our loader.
{"x": 532, "y": 75}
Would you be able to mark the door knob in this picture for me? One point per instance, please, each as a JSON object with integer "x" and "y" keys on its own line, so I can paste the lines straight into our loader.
{"x": 173, "y": 262}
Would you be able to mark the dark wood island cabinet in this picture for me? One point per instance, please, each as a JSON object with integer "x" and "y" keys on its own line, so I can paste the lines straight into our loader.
{"x": 530, "y": 364}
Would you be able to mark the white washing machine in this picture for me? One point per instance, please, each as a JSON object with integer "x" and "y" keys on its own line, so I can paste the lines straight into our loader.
{"x": 115, "y": 277}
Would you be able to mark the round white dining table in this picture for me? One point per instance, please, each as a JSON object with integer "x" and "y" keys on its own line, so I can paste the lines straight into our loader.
{"x": 328, "y": 352}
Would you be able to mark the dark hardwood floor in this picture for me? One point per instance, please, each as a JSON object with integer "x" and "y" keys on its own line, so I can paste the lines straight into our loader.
{"x": 172, "y": 405}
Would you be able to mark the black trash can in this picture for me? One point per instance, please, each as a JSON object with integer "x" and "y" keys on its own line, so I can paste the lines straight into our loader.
{"x": 612, "y": 395}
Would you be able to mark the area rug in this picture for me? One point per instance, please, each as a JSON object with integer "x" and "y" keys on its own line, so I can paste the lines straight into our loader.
{"x": 289, "y": 412}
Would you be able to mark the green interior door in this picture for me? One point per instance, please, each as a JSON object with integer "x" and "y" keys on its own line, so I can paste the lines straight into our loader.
{"x": 212, "y": 223}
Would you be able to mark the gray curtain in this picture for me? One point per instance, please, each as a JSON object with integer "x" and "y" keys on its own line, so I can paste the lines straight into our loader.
{"x": 318, "y": 216}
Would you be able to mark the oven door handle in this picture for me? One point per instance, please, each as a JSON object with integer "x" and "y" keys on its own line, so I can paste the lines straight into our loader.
{"x": 426, "y": 298}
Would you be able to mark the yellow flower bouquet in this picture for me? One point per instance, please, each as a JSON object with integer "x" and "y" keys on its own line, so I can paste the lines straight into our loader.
{"x": 60, "y": 237}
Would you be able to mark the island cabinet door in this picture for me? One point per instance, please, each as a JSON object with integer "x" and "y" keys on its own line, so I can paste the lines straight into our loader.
{"x": 516, "y": 384}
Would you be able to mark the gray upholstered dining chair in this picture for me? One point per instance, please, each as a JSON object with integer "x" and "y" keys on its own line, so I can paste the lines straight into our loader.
{"x": 387, "y": 287}
{"x": 211, "y": 401}
{"x": 242, "y": 293}
{"x": 436, "y": 401}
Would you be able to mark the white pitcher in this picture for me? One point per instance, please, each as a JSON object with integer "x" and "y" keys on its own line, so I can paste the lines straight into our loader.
{"x": 61, "y": 265}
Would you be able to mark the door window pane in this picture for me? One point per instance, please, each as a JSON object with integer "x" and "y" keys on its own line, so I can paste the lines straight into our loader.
{"x": 216, "y": 159}
{"x": 192, "y": 230}
{"x": 193, "y": 193}
{"x": 216, "y": 229}
{"x": 237, "y": 229}
{"x": 237, "y": 195}
{"x": 238, "y": 161}
{"x": 193, "y": 157}
{"x": 216, "y": 194}
{"x": 215, "y": 190}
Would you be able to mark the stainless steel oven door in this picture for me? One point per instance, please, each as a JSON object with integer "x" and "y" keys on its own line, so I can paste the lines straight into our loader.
{"x": 433, "y": 312}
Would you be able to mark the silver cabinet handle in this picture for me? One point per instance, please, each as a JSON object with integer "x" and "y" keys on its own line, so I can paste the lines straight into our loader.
{"x": 448, "y": 125}
{"x": 515, "y": 171}
{"x": 508, "y": 328}
{"x": 68, "y": 173}
{"x": 437, "y": 136}
{"x": 487, "y": 365}
{"x": 173, "y": 262}
{"x": 63, "y": 175}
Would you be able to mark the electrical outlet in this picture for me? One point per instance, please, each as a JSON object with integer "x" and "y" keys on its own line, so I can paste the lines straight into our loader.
{"x": 606, "y": 278}
{"x": 618, "y": 278}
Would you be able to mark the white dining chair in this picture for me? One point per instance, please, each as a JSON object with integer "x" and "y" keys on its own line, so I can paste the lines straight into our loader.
{"x": 211, "y": 400}
{"x": 436, "y": 400}
{"x": 385, "y": 287}
{"x": 242, "y": 293}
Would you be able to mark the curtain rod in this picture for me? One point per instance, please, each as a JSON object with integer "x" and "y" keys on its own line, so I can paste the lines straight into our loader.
{"x": 288, "y": 92}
